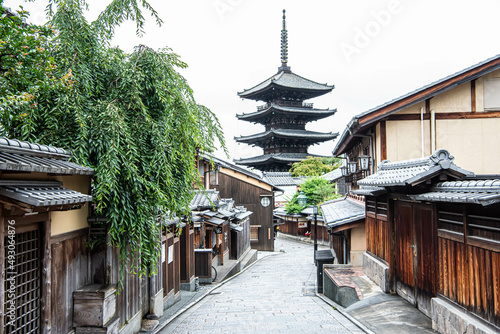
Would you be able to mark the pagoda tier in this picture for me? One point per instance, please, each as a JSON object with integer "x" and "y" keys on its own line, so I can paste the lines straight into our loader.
{"x": 286, "y": 112}
{"x": 275, "y": 162}
{"x": 286, "y": 140}
{"x": 285, "y": 85}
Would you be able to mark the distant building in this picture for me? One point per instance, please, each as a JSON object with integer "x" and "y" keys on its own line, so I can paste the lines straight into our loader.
{"x": 285, "y": 139}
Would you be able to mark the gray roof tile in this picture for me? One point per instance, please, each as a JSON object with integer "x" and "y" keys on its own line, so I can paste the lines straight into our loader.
{"x": 411, "y": 172}
{"x": 342, "y": 211}
{"x": 43, "y": 194}
{"x": 205, "y": 199}
{"x": 287, "y": 80}
{"x": 279, "y": 178}
{"x": 483, "y": 192}
{"x": 288, "y": 133}
{"x": 23, "y": 156}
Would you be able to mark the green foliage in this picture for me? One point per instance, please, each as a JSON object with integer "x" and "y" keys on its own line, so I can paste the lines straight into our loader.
{"x": 317, "y": 190}
{"x": 314, "y": 166}
{"x": 132, "y": 117}
{"x": 293, "y": 206}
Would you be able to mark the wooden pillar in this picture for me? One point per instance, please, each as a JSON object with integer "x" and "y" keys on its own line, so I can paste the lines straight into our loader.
{"x": 392, "y": 244}
{"x": 383, "y": 141}
{"x": 46, "y": 278}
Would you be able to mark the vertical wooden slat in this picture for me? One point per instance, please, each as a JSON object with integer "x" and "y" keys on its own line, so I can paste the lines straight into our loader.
{"x": 446, "y": 259}
{"x": 495, "y": 269}
{"x": 489, "y": 285}
{"x": 46, "y": 305}
{"x": 472, "y": 278}
{"x": 484, "y": 289}
{"x": 477, "y": 279}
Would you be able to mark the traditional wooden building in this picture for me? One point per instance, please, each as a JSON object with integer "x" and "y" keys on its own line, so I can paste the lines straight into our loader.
{"x": 247, "y": 189}
{"x": 284, "y": 116}
{"x": 460, "y": 112}
{"x": 344, "y": 220}
{"x": 43, "y": 236}
{"x": 285, "y": 182}
{"x": 433, "y": 236}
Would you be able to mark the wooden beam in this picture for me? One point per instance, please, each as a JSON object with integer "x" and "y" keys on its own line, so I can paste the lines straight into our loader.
{"x": 473, "y": 95}
{"x": 383, "y": 141}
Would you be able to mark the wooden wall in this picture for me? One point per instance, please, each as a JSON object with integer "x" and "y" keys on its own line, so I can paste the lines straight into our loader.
{"x": 469, "y": 258}
{"x": 69, "y": 272}
{"x": 249, "y": 195}
{"x": 377, "y": 228}
{"x": 240, "y": 241}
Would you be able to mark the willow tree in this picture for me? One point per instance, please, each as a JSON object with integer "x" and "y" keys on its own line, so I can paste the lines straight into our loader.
{"x": 132, "y": 117}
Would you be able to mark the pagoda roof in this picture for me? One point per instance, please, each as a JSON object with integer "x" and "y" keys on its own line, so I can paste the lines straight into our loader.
{"x": 313, "y": 114}
{"x": 274, "y": 157}
{"x": 284, "y": 84}
{"x": 288, "y": 133}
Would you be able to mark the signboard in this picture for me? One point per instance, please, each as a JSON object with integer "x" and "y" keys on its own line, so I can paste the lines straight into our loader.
{"x": 162, "y": 253}
{"x": 302, "y": 224}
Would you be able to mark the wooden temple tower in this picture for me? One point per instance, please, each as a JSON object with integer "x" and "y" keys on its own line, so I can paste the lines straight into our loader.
{"x": 284, "y": 115}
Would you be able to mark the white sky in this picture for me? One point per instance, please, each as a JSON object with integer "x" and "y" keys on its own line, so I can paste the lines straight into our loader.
{"x": 371, "y": 50}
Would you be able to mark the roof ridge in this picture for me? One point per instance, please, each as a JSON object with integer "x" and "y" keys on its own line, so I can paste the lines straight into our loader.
{"x": 33, "y": 149}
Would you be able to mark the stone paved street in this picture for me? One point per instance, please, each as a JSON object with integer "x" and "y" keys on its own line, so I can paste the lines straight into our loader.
{"x": 275, "y": 295}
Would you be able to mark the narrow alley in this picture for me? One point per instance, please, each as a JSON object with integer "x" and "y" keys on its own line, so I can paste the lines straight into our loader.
{"x": 275, "y": 295}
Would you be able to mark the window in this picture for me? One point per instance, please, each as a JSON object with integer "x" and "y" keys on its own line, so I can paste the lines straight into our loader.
{"x": 492, "y": 94}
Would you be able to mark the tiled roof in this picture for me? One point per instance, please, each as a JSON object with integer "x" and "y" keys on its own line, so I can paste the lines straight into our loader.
{"x": 42, "y": 193}
{"x": 342, "y": 211}
{"x": 411, "y": 172}
{"x": 311, "y": 113}
{"x": 369, "y": 191}
{"x": 483, "y": 192}
{"x": 288, "y": 133}
{"x": 236, "y": 227}
{"x": 279, "y": 178}
{"x": 204, "y": 199}
{"x": 333, "y": 175}
{"x": 287, "y": 79}
{"x": 282, "y": 157}
{"x": 23, "y": 156}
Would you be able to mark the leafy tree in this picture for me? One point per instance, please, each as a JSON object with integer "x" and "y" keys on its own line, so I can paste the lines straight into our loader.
{"x": 132, "y": 117}
{"x": 317, "y": 191}
{"x": 314, "y": 166}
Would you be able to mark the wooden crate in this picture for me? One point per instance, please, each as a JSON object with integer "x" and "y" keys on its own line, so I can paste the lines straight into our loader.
{"x": 94, "y": 305}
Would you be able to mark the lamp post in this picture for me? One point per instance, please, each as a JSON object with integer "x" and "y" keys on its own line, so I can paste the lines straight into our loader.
{"x": 302, "y": 199}
{"x": 315, "y": 212}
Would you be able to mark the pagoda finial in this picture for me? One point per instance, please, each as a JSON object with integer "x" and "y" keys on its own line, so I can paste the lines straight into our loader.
{"x": 284, "y": 46}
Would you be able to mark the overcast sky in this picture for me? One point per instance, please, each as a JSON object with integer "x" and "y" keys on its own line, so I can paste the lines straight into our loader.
{"x": 371, "y": 50}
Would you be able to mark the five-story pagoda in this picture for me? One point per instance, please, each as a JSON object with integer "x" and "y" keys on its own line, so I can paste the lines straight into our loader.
{"x": 284, "y": 115}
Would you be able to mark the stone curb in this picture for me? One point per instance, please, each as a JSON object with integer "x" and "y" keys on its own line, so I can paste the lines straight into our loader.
{"x": 208, "y": 292}
{"x": 342, "y": 311}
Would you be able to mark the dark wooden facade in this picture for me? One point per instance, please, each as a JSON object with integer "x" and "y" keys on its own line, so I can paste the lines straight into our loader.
{"x": 248, "y": 192}
{"x": 439, "y": 249}
{"x": 240, "y": 240}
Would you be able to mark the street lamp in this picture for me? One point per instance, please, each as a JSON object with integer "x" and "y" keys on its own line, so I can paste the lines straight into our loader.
{"x": 353, "y": 167}
{"x": 315, "y": 212}
{"x": 364, "y": 162}
{"x": 343, "y": 169}
{"x": 302, "y": 199}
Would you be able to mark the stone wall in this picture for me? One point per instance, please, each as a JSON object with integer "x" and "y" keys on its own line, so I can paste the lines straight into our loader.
{"x": 448, "y": 318}
{"x": 377, "y": 271}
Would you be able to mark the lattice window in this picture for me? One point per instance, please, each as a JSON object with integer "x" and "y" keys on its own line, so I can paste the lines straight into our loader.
{"x": 23, "y": 284}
